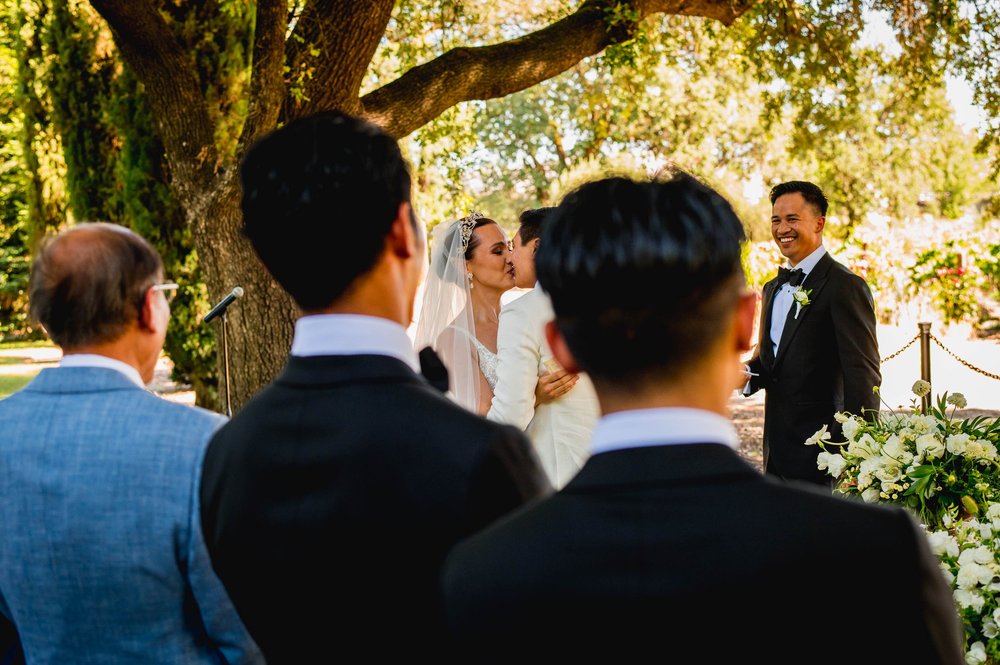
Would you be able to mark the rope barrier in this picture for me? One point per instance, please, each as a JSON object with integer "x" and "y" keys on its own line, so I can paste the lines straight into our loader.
{"x": 908, "y": 345}
{"x": 964, "y": 362}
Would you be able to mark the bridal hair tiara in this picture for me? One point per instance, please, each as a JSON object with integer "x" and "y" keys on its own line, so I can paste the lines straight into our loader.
{"x": 468, "y": 225}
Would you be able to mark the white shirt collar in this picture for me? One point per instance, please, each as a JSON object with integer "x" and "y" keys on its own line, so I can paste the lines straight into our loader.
{"x": 352, "y": 335}
{"x": 661, "y": 427}
{"x": 94, "y": 360}
{"x": 807, "y": 264}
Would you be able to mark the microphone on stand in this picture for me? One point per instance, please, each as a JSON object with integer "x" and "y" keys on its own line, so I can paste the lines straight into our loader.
{"x": 217, "y": 311}
{"x": 224, "y": 304}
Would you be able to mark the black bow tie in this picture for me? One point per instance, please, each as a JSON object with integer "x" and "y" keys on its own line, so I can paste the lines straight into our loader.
{"x": 793, "y": 277}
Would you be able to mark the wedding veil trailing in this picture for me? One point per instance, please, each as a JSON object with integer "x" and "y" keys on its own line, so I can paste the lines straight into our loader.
{"x": 446, "y": 322}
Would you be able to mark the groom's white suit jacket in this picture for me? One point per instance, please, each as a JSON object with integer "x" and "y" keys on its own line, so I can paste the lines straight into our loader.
{"x": 559, "y": 430}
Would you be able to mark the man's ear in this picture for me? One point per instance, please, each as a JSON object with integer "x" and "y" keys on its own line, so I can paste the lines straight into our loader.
{"x": 403, "y": 237}
{"x": 560, "y": 350}
{"x": 820, "y": 223}
{"x": 147, "y": 313}
{"x": 534, "y": 245}
{"x": 746, "y": 311}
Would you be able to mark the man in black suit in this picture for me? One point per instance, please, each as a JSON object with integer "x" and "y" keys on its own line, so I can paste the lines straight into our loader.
{"x": 817, "y": 353}
{"x": 667, "y": 545}
{"x": 330, "y": 501}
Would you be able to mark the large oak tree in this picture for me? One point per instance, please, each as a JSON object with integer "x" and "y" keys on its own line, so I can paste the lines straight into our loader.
{"x": 312, "y": 55}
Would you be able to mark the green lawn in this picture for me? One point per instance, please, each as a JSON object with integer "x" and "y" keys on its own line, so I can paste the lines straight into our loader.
{"x": 25, "y": 345}
{"x": 13, "y": 383}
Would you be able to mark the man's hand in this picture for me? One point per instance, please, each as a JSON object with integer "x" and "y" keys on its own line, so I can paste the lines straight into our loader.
{"x": 554, "y": 385}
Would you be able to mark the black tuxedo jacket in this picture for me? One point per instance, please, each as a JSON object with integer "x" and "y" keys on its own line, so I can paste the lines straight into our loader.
{"x": 827, "y": 362}
{"x": 686, "y": 554}
{"x": 330, "y": 501}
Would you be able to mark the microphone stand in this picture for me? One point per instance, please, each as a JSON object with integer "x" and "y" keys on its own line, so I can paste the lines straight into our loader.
{"x": 225, "y": 363}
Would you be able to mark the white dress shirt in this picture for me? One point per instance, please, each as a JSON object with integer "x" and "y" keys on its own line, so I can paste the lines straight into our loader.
{"x": 661, "y": 427}
{"x": 781, "y": 304}
{"x": 352, "y": 335}
{"x": 94, "y": 360}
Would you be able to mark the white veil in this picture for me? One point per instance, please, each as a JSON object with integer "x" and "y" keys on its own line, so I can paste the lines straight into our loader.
{"x": 446, "y": 322}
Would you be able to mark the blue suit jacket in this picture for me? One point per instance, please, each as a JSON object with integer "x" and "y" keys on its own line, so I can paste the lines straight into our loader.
{"x": 102, "y": 559}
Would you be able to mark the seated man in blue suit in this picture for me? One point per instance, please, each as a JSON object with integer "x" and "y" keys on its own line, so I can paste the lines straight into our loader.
{"x": 667, "y": 546}
{"x": 102, "y": 558}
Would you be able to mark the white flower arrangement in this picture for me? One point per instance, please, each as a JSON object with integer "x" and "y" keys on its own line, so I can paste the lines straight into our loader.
{"x": 969, "y": 551}
{"x": 928, "y": 462}
{"x": 946, "y": 471}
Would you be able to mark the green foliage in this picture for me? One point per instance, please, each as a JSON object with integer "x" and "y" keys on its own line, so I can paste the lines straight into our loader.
{"x": 78, "y": 80}
{"x": 10, "y": 384}
{"x": 144, "y": 202}
{"x": 951, "y": 284}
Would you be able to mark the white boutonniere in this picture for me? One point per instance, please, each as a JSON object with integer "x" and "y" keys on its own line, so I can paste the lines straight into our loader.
{"x": 801, "y": 297}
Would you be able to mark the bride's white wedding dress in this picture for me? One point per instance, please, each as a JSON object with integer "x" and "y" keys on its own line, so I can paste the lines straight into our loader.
{"x": 489, "y": 362}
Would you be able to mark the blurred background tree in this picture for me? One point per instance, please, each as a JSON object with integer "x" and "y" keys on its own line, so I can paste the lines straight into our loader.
{"x": 139, "y": 113}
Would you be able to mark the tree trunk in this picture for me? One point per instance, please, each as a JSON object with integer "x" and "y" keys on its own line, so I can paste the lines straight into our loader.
{"x": 260, "y": 324}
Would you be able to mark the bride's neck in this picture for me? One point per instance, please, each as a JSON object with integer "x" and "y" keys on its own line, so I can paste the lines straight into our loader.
{"x": 486, "y": 305}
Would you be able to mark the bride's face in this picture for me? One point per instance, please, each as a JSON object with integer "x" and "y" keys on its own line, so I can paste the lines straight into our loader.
{"x": 491, "y": 264}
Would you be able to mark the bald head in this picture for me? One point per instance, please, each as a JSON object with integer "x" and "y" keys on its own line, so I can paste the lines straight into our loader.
{"x": 88, "y": 283}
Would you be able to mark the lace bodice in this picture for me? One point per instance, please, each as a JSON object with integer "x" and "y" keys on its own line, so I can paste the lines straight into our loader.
{"x": 488, "y": 363}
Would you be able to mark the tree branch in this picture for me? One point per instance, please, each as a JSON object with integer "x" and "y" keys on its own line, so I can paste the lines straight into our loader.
{"x": 168, "y": 75}
{"x": 486, "y": 72}
{"x": 330, "y": 52}
{"x": 267, "y": 83}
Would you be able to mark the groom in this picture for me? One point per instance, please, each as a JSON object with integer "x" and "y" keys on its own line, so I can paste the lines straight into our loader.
{"x": 560, "y": 428}
{"x": 817, "y": 353}
{"x": 667, "y": 545}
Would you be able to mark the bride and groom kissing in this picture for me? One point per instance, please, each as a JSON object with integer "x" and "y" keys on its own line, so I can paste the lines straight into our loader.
{"x": 498, "y": 361}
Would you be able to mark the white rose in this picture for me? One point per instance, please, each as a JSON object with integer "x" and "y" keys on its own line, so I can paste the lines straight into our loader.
{"x": 943, "y": 543}
{"x": 929, "y": 445}
{"x": 971, "y": 599}
{"x": 957, "y": 443}
{"x": 850, "y": 428}
{"x": 987, "y": 450}
{"x": 836, "y": 464}
{"x": 976, "y": 655}
{"x": 889, "y": 472}
{"x": 896, "y": 449}
{"x": 922, "y": 424}
{"x": 870, "y": 495}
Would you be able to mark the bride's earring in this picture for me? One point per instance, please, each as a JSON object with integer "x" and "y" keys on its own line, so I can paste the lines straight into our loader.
{"x": 469, "y": 275}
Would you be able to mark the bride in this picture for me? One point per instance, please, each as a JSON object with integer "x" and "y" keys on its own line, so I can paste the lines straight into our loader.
{"x": 471, "y": 267}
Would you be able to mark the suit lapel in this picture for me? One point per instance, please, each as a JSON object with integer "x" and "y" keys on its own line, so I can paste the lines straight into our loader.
{"x": 765, "y": 344}
{"x": 814, "y": 281}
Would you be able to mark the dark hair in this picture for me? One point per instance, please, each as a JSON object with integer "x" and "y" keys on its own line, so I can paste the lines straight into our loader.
{"x": 449, "y": 241}
{"x": 531, "y": 223}
{"x": 88, "y": 283}
{"x": 810, "y": 192}
{"x": 642, "y": 275}
{"x": 319, "y": 197}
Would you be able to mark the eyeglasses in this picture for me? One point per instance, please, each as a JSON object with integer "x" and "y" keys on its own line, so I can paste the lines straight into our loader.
{"x": 169, "y": 290}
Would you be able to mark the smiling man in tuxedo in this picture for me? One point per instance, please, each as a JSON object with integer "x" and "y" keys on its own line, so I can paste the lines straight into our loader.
{"x": 817, "y": 352}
